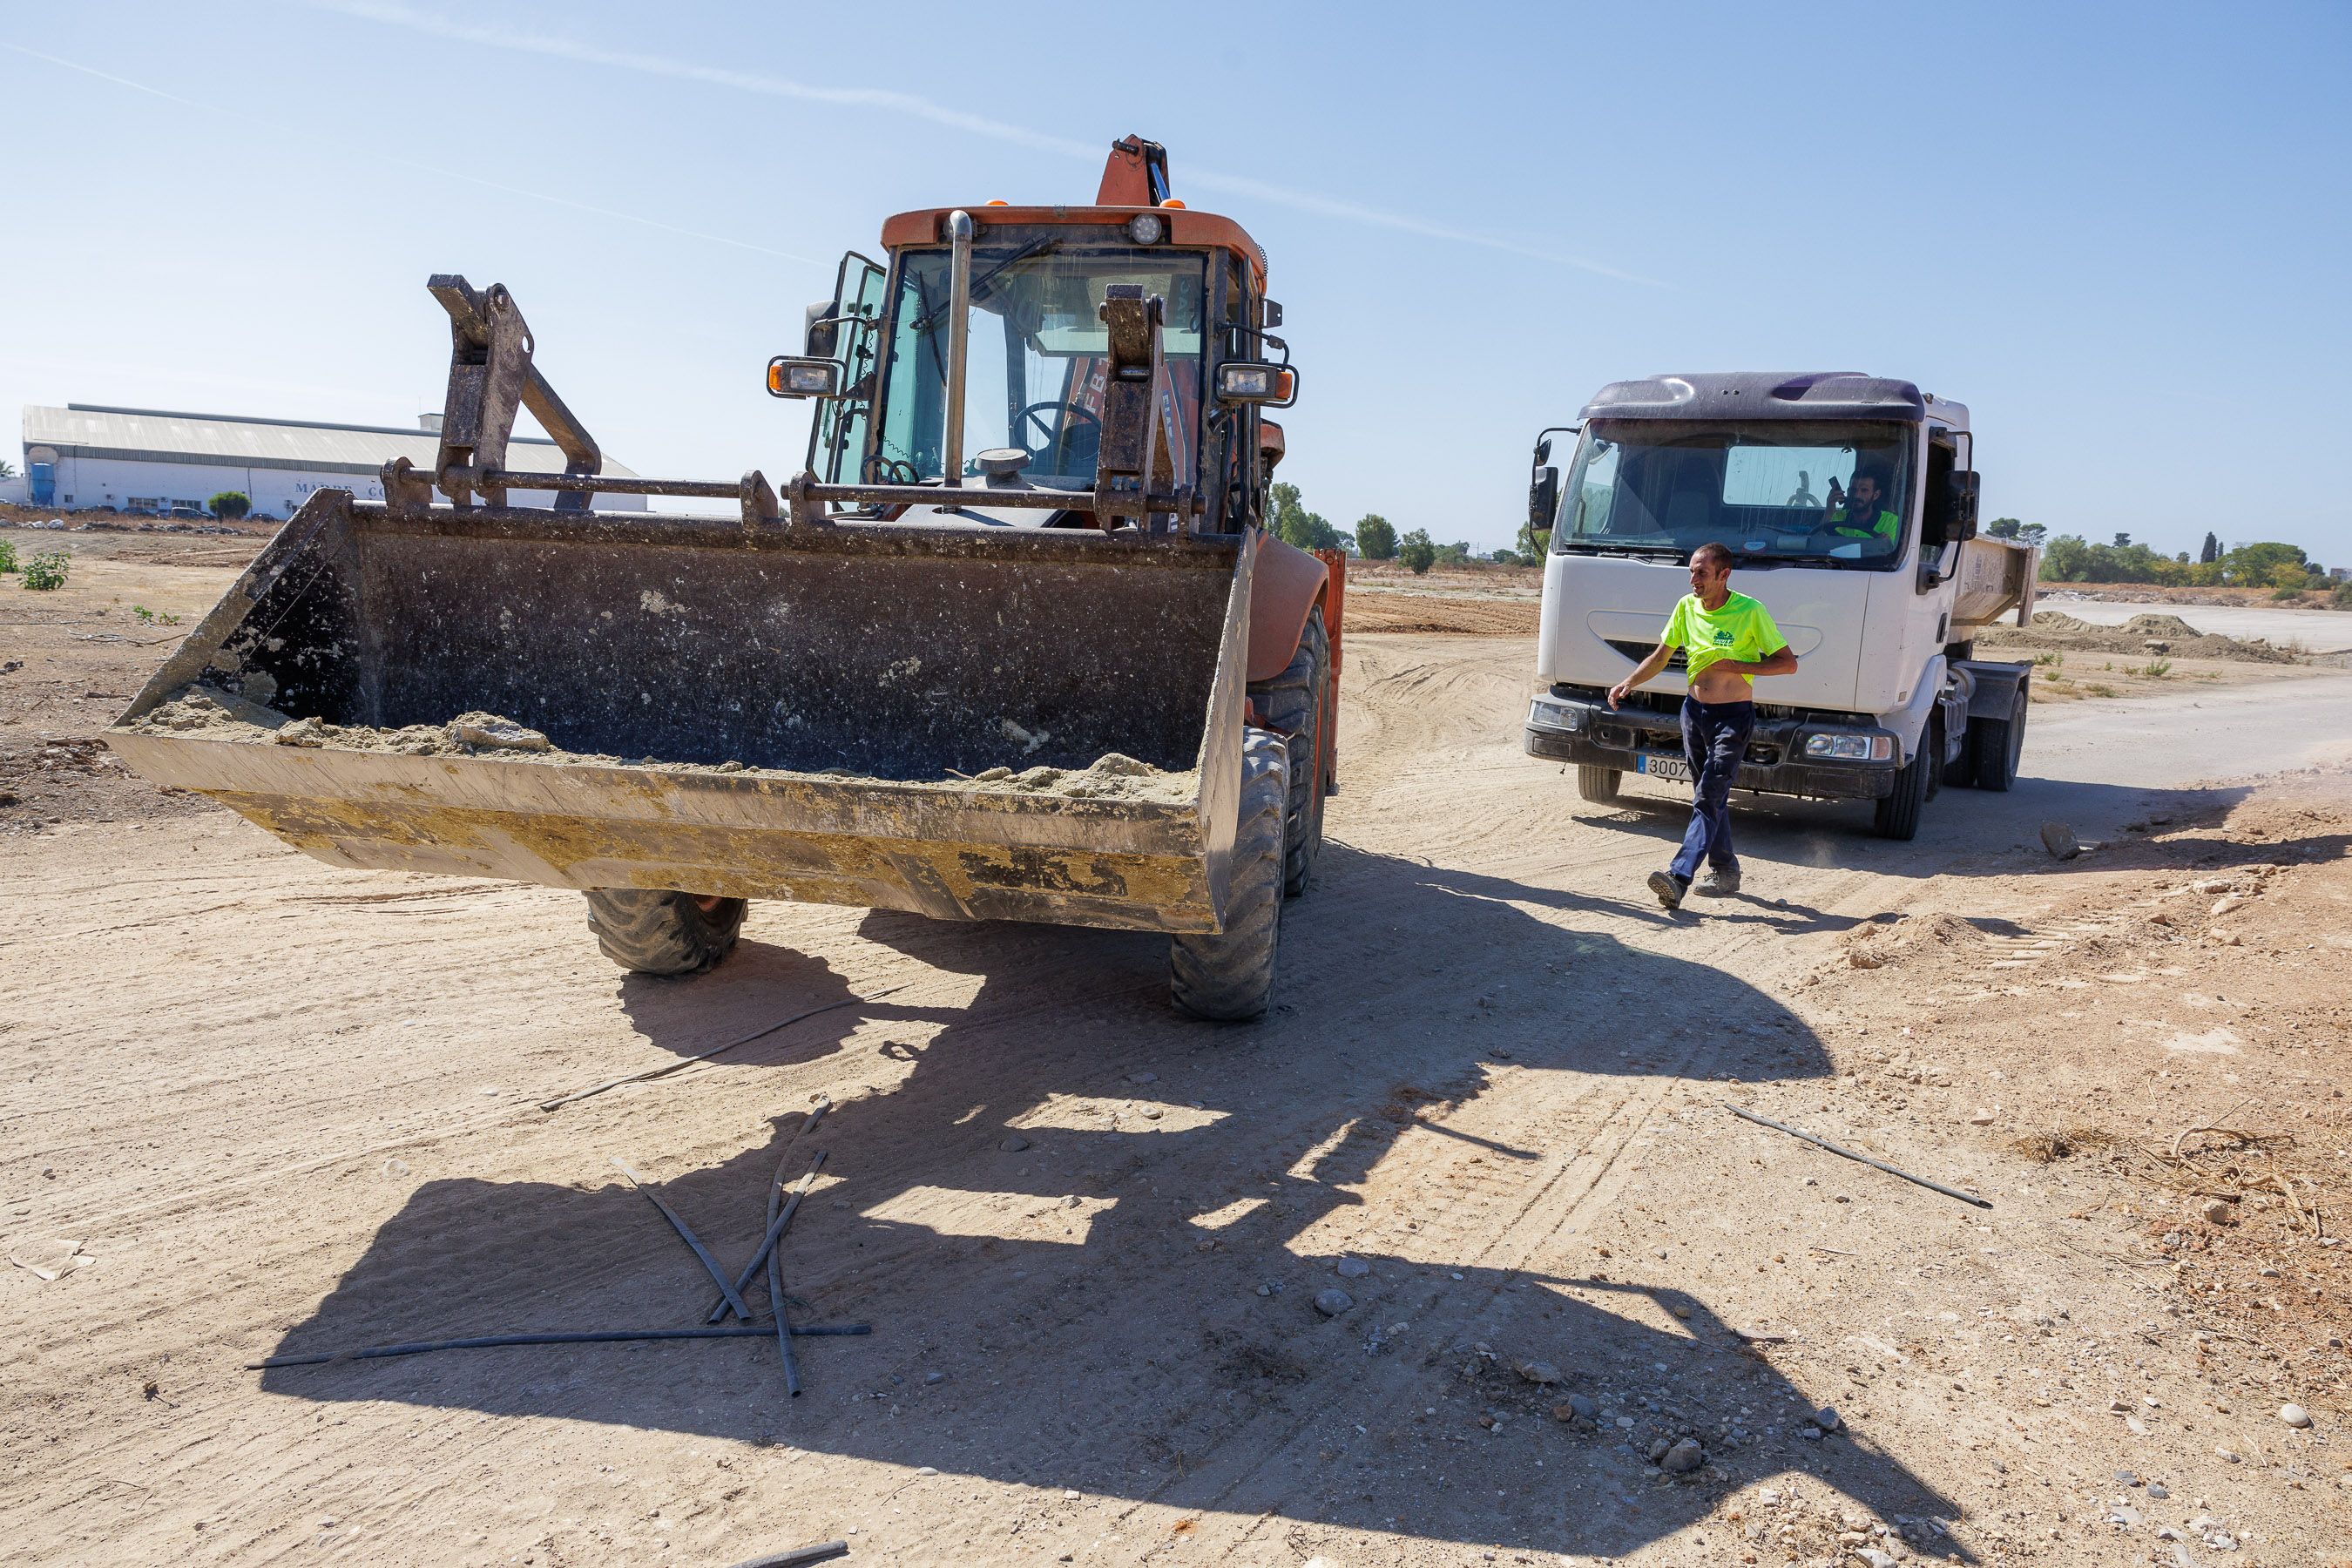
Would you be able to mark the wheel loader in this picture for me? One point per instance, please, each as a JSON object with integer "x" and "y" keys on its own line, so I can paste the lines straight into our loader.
{"x": 1014, "y": 645}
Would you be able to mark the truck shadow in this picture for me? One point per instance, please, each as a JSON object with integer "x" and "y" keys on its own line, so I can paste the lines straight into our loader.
{"x": 1962, "y": 832}
{"x": 1089, "y": 1236}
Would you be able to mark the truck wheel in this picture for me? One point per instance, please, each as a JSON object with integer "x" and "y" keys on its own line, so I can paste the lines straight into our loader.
{"x": 1995, "y": 745}
{"x": 1600, "y": 784}
{"x": 1898, "y": 814}
{"x": 1296, "y": 702}
{"x": 657, "y": 931}
{"x": 1227, "y": 977}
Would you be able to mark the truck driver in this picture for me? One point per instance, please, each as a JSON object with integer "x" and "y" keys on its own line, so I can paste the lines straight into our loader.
{"x": 1857, "y": 514}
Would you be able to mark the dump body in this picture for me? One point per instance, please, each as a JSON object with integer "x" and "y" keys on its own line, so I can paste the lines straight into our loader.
{"x": 789, "y": 709}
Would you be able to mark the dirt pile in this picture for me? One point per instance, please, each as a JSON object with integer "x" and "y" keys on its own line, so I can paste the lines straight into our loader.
{"x": 2160, "y": 635}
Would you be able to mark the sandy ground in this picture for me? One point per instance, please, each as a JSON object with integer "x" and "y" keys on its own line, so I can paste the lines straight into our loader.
{"x": 254, "y": 1105}
{"x": 2319, "y": 631}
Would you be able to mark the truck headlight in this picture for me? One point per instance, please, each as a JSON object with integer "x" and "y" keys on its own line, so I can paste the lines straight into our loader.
{"x": 1850, "y": 748}
{"x": 1559, "y": 715}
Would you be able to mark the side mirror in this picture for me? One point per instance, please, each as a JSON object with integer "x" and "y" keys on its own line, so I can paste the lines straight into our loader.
{"x": 1963, "y": 484}
{"x": 820, "y": 334}
{"x": 1543, "y": 499}
{"x": 1244, "y": 381}
{"x": 789, "y": 377}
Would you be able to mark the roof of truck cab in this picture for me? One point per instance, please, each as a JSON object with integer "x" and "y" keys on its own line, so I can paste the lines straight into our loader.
{"x": 926, "y": 225}
{"x": 1765, "y": 394}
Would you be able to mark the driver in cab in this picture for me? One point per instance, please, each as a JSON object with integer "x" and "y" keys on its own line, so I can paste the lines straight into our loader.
{"x": 1857, "y": 515}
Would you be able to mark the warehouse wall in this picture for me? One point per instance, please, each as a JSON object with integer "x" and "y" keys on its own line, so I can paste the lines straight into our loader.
{"x": 116, "y": 482}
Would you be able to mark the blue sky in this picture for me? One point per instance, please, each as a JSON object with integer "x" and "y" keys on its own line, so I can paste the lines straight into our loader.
{"x": 2119, "y": 233}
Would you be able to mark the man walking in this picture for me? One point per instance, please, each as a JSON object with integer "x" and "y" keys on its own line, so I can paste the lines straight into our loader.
{"x": 1728, "y": 639}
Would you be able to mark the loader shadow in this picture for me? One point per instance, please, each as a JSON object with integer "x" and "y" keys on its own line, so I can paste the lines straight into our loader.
{"x": 1062, "y": 1259}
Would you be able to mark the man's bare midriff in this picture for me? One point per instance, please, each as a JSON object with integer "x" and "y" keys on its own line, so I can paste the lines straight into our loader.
{"x": 1714, "y": 684}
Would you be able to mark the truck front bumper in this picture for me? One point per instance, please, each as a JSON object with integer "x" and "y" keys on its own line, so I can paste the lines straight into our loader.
{"x": 1572, "y": 724}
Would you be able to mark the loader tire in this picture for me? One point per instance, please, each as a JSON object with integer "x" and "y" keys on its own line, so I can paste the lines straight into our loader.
{"x": 1995, "y": 745}
{"x": 1227, "y": 977}
{"x": 1598, "y": 785}
{"x": 1297, "y": 703}
{"x": 655, "y": 932}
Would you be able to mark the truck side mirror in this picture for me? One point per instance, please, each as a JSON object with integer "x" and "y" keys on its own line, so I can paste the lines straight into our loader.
{"x": 821, "y": 332}
{"x": 1963, "y": 485}
{"x": 1543, "y": 499}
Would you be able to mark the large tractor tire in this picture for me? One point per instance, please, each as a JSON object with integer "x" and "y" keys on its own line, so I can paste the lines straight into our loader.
{"x": 1897, "y": 814}
{"x": 1599, "y": 785}
{"x": 655, "y": 932}
{"x": 1296, "y": 702}
{"x": 1996, "y": 744}
{"x": 1227, "y": 977}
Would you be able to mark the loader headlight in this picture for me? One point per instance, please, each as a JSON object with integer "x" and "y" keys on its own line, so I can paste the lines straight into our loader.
{"x": 1145, "y": 228}
{"x": 791, "y": 377}
{"x": 1242, "y": 381}
{"x": 1850, "y": 748}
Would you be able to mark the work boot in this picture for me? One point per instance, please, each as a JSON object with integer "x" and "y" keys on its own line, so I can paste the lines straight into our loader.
{"x": 1720, "y": 882}
{"x": 1669, "y": 888}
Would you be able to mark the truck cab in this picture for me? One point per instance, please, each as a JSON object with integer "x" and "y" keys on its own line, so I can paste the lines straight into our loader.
{"x": 1848, "y": 502}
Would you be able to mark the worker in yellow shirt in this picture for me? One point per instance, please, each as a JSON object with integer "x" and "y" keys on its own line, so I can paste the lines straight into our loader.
{"x": 1859, "y": 515}
{"x": 1728, "y": 639}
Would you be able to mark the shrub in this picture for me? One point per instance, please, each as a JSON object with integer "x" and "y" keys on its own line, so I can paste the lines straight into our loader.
{"x": 2155, "y": 669}
{"x": 2286, "y": 590}
{"x": 230, "y": 504}
{"x": 8, "y": 555}
{"x": 1416, "y": 551}
{"x": 2342, "y": 599}
{"x": 1376, "y": 537}
{"x": 47, "y": 570}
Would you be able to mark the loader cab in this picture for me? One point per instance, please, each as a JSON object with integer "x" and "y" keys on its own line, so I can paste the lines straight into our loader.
{"x": 1035, "y": 358}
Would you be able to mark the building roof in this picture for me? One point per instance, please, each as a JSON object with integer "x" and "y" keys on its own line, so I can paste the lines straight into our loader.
{"x": 236, "y": 441}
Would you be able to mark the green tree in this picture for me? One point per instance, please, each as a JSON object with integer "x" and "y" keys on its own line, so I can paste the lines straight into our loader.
{"x": 1376, "y": 537}
{"x": 1455, "y": 554}
{"x": 1529, "y": 548}
{"x": 2257, "y": 564}
{"x": 1294, "y": 524}
{"x": 8, "y": 469}
{"x": 2123, "y": 541}
{"x": 2033, "y": 532}
{"x": 2003, "y": 528}
{"x": 2211, "y": 552}
{"x": 230, "y": 504}
{"x": 1416, "y": 551}
{"x": 1505, "y": 558}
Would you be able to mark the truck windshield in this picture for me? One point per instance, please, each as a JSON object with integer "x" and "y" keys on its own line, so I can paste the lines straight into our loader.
{"x": 1834, "y": 494}
{"x": 1038, "y": 353}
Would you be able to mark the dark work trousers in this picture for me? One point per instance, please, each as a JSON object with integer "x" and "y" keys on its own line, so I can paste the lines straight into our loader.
{"x": 1714, "y": 736}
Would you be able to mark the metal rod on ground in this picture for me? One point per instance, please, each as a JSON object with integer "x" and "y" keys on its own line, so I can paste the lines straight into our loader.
{"x": 823, "y": 1552}
{"x": 589, "y": 1337}
{"x": 776, "y": 1278}
{"x": 777, "y": 1225}
{"x": 1851, "y": 1154}
{"x": 709, "y": 1262}
{"x": 559, "y": 1101}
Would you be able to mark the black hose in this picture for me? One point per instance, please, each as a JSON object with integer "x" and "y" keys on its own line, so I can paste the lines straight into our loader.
{"x": 823, "y": 1551}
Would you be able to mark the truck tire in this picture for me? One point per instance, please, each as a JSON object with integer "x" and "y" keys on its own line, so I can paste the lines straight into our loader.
{"x": 1897, "y": 814}
{"x": 1995, "y": 745}
{"x": 657, "y": 931}
{"x": 1295, "y": 703}
{"x": 1226, "y": 977}
{"x": 1598, "y": 785}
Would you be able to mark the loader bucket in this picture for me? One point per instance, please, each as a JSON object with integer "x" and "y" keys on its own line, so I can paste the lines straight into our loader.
{"x": 818, "y": 712}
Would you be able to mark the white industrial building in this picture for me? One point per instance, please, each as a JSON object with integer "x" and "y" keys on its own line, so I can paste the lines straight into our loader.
{"x": 149, "y": 461}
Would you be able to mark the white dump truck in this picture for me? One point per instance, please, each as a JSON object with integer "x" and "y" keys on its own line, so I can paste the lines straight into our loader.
{"x": 1849, "y": 503}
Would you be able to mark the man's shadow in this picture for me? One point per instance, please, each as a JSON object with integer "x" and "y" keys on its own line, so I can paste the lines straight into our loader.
{"x": 1060, "y": 1213}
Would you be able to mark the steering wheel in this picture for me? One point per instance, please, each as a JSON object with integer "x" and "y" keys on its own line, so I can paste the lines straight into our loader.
{"x": 1034, "y": 414}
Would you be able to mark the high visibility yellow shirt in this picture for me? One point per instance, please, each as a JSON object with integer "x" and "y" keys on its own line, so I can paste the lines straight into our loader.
{"x": 1887, "y": 526}
{"x": 1741, "y": 629}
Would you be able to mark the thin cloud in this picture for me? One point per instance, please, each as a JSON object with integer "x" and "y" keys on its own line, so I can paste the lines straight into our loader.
{"x": 490, "y": 36}
{"x": 412, "y": 164}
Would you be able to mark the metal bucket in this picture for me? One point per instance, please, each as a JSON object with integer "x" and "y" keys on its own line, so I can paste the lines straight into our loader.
{"x": 785, "y": 710}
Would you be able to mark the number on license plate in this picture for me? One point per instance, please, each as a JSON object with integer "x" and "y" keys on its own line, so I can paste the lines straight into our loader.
{"x": 1666, "y": 768}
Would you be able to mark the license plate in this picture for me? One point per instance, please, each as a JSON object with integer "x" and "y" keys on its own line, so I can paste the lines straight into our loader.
{"x": 1667, "y": 768}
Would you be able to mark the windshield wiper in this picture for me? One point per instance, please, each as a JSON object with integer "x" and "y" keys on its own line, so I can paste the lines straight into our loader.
{"x": 1035, "y": 248}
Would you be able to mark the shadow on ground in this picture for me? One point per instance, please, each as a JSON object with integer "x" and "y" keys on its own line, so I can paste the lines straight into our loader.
{"x": 1062, "y": 1259}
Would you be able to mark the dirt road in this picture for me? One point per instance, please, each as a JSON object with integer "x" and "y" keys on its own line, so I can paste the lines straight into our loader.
{"x": 253, "y": 1105}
